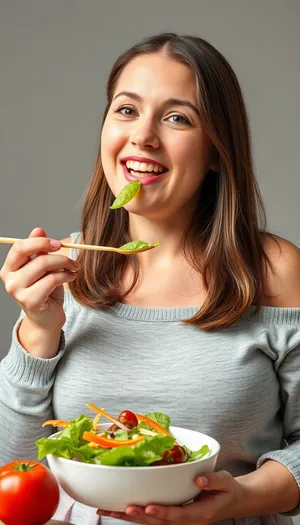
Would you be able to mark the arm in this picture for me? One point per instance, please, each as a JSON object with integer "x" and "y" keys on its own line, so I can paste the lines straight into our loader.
{"x": 38, "y": 341}
{"x": 25, "y": 399}
{"x": 271, "y": 489}
{"x": 274, "y": 486}
{"x": 27, "y": 375}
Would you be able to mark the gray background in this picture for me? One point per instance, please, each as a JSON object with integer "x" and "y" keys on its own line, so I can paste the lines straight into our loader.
{"x": 54, "y": 60}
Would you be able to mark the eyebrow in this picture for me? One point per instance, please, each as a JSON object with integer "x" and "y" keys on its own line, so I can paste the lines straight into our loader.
{"x": 168, "y": 102}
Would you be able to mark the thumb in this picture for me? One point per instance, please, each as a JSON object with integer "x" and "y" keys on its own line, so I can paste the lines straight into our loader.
{"x": 219, "y": 481}
{"x": 37, "y": 232}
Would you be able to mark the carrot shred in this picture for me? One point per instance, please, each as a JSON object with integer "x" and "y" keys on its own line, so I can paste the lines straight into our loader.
{"x": 153, "y": 424}
{"x": 57, "y": 423}
{"x": 105, "y": 442}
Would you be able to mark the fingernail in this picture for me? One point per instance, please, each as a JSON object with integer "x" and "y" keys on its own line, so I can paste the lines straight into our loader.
{"x": 203, "y": 481}
{"x": 152, "y": 512}
{"x": 131, "y": 512}
{"x": 55, "y": 244}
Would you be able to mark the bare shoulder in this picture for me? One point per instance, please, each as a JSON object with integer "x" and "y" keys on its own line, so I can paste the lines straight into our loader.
{"x": 282, "y": 281}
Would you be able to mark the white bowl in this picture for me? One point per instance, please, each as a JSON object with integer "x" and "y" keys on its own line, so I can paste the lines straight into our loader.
{"x": 114, "y": 488}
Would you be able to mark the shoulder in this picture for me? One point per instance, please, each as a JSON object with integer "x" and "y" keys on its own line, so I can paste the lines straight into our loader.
{"x": 281, "y": 279}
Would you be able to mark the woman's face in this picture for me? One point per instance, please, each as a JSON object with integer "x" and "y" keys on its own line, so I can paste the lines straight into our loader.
{"x": 153, "y": 133}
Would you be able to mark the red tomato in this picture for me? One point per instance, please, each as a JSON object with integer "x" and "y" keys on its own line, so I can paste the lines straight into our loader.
{"x": 128, "y": 419}
{"x": 177, "y": 454}
{"x": 160, "y": 462}
{"x": 29, "y": 493}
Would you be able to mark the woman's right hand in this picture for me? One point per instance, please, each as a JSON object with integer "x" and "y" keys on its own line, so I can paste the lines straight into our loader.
{"x": 37, "y": 283}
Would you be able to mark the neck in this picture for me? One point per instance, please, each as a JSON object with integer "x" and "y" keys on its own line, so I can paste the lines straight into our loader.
{"x": 169, "y": 232}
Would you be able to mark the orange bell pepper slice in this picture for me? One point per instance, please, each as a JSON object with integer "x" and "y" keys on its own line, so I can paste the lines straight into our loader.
{"x": 105, "y": 442}
{"x": 156, "y": 426}
{"x": 57, "y": 423}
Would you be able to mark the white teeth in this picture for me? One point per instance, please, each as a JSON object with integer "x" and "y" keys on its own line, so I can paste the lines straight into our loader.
{"x": 143, "y": 167}
{"x": 139, "y": 174}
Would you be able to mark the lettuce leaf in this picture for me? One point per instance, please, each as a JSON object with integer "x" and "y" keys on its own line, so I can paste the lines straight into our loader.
{"x": 160, "y": 418}
{"x": 142, "y": 454}
{"x": 193, "y": 455}
{"x": 69, "y": 441}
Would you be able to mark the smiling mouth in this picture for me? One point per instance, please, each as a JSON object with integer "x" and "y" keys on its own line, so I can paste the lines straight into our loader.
{"x": 143, "y": 169}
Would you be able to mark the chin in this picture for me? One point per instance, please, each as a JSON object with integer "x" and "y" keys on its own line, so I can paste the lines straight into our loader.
{"x": 137, "y": 210}
{"x": 150, "y": 213}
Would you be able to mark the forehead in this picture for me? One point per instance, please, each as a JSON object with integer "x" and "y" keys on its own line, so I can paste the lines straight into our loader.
{"x": 158, "y": 76}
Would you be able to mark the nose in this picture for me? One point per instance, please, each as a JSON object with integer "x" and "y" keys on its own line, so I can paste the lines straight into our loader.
{"x": 144, "y": 135}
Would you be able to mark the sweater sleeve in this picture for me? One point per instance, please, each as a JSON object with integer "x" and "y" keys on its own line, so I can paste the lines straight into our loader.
{"x": 287, "y": 367}
{"x": 25, "y": 399}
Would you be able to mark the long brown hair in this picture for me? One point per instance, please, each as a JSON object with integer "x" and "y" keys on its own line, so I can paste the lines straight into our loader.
{"x": 229, "y": 221}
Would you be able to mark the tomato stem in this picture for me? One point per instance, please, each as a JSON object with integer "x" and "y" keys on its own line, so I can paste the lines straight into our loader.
{"x": 24, "y": 466}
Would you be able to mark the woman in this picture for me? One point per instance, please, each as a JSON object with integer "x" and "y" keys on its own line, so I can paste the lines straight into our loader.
{"x": 204, "y": 328}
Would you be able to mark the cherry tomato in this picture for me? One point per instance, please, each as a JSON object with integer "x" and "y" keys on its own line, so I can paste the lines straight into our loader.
{"x": 128, "y": 418}
{"x": 160, "y": 462}
{"x": 177, "y": 454}
{"x": 29, "y": 493}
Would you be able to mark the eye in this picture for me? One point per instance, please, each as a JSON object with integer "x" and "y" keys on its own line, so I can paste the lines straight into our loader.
{"x": 180, "y": 119}
{"x": 127, "y": 111}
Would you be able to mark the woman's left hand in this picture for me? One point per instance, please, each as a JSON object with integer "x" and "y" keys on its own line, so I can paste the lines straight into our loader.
{"x": 221, "y": 498}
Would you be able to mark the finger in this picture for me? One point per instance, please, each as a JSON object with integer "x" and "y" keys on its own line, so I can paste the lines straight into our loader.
{"x": 37, "y": 268}
{"x": 38, "y": 232}
{"x": 22, "y": 251}
{"x": 220, "y": 481}
{"x": 138, "y": 513}
{"x": 121, "y": 516}
{"x": 191, "y": 512}
{"x": 133, "y": 514}
{"x": 197, "y": 512}
{"x": 171, "y": 514}
{"x": 38, "y": 294}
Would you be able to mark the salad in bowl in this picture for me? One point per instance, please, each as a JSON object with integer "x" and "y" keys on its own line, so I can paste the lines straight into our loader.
{"x": 131, "y": 440}
{"x": 129, "y": 459}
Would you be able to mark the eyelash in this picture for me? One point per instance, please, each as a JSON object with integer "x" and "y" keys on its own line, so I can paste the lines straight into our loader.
{"x": 186, "y": 120}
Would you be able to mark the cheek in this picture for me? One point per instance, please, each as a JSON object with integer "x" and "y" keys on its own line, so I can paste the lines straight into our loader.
{"x": 112, "y": 140}
{"x": 192, "y": 152}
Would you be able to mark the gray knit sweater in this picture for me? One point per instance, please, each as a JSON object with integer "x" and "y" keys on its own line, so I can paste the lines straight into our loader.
{"x": 240, "y": 385}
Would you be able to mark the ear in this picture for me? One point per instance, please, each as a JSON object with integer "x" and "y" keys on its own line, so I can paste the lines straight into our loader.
{"x": 214, "y": 164}
{"x": 214, "y": 167}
